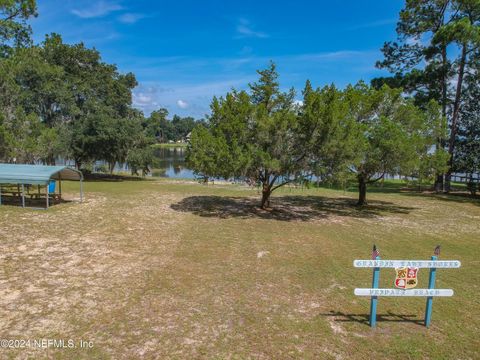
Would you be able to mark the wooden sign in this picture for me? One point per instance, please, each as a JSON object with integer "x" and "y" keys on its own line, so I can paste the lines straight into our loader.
{"x": 399, "y": 292}
{"x": 407, "y": 263}
{"x": 405, "y": 281}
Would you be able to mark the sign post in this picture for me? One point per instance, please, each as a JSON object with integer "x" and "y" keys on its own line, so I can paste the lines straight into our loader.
{"x": 405, "y": 281}
{"x": 431, "y": 285}
{"x": 373, "y": 301}
{"x": 375, "y": 280}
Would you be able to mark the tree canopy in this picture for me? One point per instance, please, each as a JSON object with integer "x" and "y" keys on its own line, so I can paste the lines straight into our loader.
{"x": 251, "y": 135}
{"x": 392, "y": 135}
{"x": 264, "y": 137}
{"x": 157, "y": 126}
{"x": 14, "y": 30}
{"x": 438, "y": 41}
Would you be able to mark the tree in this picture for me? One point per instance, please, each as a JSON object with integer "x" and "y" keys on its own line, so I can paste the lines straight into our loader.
{"x": 140, "y": 159}
{"x": 100, "y": 135}
{"x": 60, "y": 99}
{"x": 14, "y": 31}
{"x": 389, "y": 136}
{"x": 158, "y": 127}
{"x": 437, "y": 41}
{"x": 6, "y": 141}
{"x": 327, "y": 133}
{"x": 37, "y": 86}
{"x": 23, "y": 132}
{"x": 97, "y": 105}
{"x": 467, "y": 151}
{"x": 431, "y": 162}
{"x": 183, "y": 126}
{"x": 254, "y": 136}
{"x": 118, "y": 138}
{"x": 209, "y": 155}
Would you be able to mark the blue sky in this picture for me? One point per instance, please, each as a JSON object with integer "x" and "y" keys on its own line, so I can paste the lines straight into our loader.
{"x": 185, "y": 52}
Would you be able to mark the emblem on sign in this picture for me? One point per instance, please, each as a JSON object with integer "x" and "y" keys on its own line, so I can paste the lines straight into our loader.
{"x": 406, "y": 277}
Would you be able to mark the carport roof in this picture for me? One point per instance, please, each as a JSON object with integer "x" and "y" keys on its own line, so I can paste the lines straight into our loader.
{"x": 36, "y": 174}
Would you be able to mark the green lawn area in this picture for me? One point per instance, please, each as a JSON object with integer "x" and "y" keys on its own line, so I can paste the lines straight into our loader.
{"x": 170, "y": 145}
{"x": 164, "y": 269}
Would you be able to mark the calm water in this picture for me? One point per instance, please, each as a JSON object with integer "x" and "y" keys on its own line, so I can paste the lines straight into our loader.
{"x": 170, "y": 162}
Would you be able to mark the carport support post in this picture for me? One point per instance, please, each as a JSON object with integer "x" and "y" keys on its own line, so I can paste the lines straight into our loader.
{"x": 23, "y": 195}
{"x": 373, "y": 300}
{"x": 47, "y": 197}
{"x": 81, "y": 190}
{"x": 431, "y": 285}
{"x": 60, "y": 186}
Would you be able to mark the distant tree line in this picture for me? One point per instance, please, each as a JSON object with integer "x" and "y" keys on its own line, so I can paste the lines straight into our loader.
{"x": 163, "y": 130}
{"x": 62, "y": 100}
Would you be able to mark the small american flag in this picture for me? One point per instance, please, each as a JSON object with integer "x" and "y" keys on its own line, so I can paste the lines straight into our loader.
{"x": 436, "y": 252}
{"x": 375, "y": 252}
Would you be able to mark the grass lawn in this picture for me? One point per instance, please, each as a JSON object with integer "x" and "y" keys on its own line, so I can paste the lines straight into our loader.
{"x": 163, "y": 269}
{"x": 171, "y": 145}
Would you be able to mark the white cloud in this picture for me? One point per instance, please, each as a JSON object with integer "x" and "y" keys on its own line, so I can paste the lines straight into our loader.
{"x": 149, "y": 96}
{"x": 130, "y": 18}
{"x": 141, "y": 99}
{"x": 182, "y": 104}
{"x": 146, "y": 97}
{"x": 100, "y": 8}
{"x": 245, "y": 29}
{"x": 172, "y": 82}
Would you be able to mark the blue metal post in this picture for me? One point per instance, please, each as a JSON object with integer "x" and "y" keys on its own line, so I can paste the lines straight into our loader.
{"x": 431, "y": 285}
{"x": 373, "y": 300}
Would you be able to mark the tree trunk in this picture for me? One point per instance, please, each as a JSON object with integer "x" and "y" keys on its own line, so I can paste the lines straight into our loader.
{"x": 439, "y": 183}
{"x": 111, "y": 166}
{"x": 265, "y": 199}
{"x": 362, "y": 191}
{"x": 444, "y": 80}
{"x": 455, "y": 116}
{"x": 266, "y": 191}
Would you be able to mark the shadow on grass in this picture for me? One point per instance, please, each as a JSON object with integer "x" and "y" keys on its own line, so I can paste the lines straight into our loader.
{"x": 111, "y": 177}
{"x": 458, "y": 197}
{"x": 364, "y": 318}
{"x": 31, "y": 203}
{"x": 457, "y": 194}
{"x": 285, "y": 208}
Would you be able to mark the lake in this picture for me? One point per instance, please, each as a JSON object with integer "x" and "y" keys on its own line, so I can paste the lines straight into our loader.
{"x": 170, "y": 163}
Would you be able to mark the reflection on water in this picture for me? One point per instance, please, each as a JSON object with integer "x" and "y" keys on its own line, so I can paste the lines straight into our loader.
{"x": 170, "y": 162}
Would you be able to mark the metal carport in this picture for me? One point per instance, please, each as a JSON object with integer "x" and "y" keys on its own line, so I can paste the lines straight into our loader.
{"x": 41, "y": 175}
